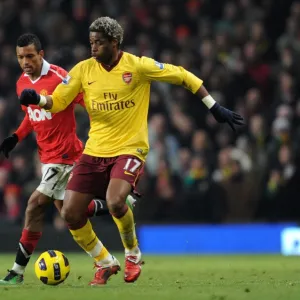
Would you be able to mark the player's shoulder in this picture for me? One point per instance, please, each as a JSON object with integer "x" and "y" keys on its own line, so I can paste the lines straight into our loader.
{"x": 131, "y": 58}
{"x": 23, "y": 78}
{"x": 140, "y": 62}
{"x": 147, "y": 60}
{"x": 57, "y": 71}
{"x": 131, "y": 61}
{"x": 84, "y": 65}
{"x": 20, "y": 79}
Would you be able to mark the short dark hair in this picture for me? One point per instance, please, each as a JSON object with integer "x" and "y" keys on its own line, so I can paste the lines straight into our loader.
{"x": 28, "y": 39}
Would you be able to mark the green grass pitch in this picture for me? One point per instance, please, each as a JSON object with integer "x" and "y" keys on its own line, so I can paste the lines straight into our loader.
{"x": 171, "y": 277}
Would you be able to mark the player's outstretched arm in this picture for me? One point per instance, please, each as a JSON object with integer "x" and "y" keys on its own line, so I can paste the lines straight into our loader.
{"x": 220, "y": 113}
{"x": 61, "y": 97}
{"x": 153, "y": 70}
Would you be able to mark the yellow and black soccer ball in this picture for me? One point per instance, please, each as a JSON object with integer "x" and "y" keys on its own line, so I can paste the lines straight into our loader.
{"x": 52, "y": 267}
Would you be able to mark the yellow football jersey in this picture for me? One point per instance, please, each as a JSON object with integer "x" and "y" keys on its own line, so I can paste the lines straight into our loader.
{"x": 117, "y": 101}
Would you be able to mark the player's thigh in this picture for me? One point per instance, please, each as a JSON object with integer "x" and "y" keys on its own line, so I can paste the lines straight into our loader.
{"x": 89, "y": 176}
{"x": 60, "y": 188}
{"x": 128, "y": 168}
{"x": 54, "y": 180}
{"x": 124, "y": 176}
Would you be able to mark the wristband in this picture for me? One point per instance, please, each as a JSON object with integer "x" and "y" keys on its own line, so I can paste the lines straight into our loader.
{"x": 43, "y": 101}
{"x": 209, "y": 101}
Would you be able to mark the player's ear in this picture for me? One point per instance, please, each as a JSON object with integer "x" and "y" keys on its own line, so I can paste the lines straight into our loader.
{"x": 42, "y": 53}
{"x": 115, "y": 43}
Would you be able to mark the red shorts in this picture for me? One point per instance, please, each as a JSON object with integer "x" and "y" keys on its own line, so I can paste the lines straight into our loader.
{"x": 91, "y": 175}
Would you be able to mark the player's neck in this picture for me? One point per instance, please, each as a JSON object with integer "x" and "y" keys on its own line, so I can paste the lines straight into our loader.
{"x": 114, "y": 61}
{"x": 115, "y": 58}
{"x": 36, "y": 75}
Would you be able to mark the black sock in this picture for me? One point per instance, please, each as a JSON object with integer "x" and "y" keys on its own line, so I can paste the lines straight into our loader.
{"x": 22, "y": 257}
{"x": 100, "y": 207}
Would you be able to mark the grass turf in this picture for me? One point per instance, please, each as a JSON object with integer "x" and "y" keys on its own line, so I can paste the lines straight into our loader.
{"x": 171, "y": 277}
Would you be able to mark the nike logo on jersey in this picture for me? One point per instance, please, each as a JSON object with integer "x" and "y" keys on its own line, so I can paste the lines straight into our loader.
{"x": 127, "y": 173}
{"x": 90, "y": 82}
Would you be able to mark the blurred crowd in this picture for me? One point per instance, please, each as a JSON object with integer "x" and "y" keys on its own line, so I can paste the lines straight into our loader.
{"x": 248, "y": 54}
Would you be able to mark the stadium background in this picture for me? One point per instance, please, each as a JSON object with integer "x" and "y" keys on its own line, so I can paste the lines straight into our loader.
{"x": 198, "y": 172}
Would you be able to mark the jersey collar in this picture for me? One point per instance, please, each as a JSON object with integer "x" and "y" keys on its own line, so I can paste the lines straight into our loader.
{"x": 109, "y": 68}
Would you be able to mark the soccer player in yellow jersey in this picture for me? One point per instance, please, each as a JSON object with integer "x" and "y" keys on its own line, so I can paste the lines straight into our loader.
{"x": 116, "y": 89}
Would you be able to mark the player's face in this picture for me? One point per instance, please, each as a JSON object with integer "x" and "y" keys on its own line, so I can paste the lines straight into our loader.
{"x": 101, "y": 48}
{"x": 30, "y": 59}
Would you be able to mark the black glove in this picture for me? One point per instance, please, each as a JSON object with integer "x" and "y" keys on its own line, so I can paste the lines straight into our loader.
{"x": 29, "y": 96}
{"x": 224, "y": 115}
{"x": 8, "y": 144}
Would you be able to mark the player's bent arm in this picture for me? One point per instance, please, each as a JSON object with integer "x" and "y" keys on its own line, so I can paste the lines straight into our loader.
{"x": 152, "y": 70}
{"x": 65, "y": 92}
{"x": 24, "y": 129}
{"x": 52, "y": 103}
{"x": 9, "y": 143}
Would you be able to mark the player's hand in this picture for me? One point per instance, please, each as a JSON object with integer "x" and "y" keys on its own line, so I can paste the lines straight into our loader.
{"x": 224, "y": 115}
{"x": 29, "y": 96}
{"x": 8, "y": 144}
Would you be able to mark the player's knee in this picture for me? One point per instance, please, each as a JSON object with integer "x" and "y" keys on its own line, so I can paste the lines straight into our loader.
{"x": 71, "y": 216}
{"x": 66, "y": 214}
{"x": 116, "y": 204}
{"x": 35, "y": 206}
{"x": 58, "y": 204}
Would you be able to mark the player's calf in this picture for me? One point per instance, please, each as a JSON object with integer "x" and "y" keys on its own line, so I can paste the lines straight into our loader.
{"x": 35, "y": 210}
{"x": 31, "y": 234}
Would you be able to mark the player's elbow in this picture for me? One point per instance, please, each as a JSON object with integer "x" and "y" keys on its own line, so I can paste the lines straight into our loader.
{"x": 54, "y": 105}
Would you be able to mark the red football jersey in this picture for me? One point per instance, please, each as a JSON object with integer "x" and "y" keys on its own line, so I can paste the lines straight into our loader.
{"x": 55, "y": 133}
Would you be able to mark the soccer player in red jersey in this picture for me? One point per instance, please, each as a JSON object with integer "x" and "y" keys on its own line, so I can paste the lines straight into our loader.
{"x": 58, "y": 147}
{"x": 116, "y": 87}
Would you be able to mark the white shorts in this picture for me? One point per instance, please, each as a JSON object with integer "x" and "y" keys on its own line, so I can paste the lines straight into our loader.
{"x": 54, "y": 180}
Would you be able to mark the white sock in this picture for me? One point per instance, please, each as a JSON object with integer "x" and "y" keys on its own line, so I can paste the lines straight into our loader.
{"x": 18, "y": 269}
{"x": 131, "y": 200}
{"x": 95, "y": 252}
{"x": 106, "y": 261}
{"x": 134, "y": 251}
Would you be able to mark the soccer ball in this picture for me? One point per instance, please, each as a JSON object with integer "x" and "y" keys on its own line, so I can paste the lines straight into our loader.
{"x": 52, "y": 267}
